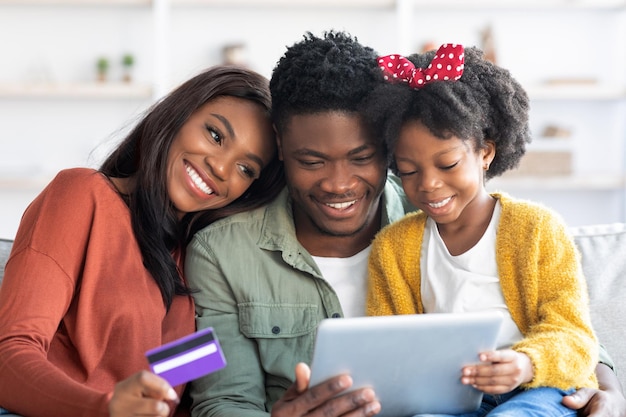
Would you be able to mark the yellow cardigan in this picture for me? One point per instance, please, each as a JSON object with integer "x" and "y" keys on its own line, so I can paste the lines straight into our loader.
{"x": 541, "y": 279}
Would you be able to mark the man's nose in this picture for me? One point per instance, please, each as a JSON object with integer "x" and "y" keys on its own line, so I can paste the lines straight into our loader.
{"x": 339, "y": 179}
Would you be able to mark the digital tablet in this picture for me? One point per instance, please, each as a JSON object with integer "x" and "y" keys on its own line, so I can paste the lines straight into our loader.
{"x": 413, "y": 362}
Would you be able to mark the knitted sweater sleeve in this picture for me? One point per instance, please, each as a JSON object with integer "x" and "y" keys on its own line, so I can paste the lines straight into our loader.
{"x": 394, "y": 270}
{"x": 546, "y": 293}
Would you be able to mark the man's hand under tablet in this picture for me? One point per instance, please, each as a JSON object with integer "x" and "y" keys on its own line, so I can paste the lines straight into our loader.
{"x": 608, "y": 401}
{"x": 321, "y": 400}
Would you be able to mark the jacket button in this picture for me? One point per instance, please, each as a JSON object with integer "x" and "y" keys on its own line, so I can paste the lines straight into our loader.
{"x": 275, "y": 329}
{"x": 336, "y": 315}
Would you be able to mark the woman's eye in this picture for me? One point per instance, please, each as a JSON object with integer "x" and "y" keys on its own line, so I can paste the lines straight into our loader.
{"x": 247, "y": 171}
{"x": 217, "y": 138}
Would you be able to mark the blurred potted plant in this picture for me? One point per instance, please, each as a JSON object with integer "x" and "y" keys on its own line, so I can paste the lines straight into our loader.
{"x": 102, "y": 66}
{"x": 128, "y": 61}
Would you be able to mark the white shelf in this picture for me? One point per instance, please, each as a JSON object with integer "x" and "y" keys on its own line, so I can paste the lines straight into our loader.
{"x": 287, "y": 3}
{"x": 465, "y": 4}
{"x": 565, "y": 183}
{"x": 574, "y": 91}
{"x": 104, "y": 90}
{"x": 515, "y": 4}
{"x": 424, "y": 4}
{"x": 544, "y": 144}
{"x": 75, "y": 2}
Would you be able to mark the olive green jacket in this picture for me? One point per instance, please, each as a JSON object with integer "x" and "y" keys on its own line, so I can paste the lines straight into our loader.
{"x": 264, "y": 296}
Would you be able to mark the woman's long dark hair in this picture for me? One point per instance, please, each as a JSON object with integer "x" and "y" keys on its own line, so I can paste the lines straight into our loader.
{"x": 143, "y": 156}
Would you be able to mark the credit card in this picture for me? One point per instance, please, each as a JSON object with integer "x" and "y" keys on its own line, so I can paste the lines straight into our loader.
{"x": 187, "y": 358}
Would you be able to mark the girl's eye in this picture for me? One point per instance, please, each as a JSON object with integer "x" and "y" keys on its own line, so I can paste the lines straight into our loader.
{"x": 448, "y": 167}
{"x": 217, "y": 137}
{"x": 404, "y": 169}
{"x": 247, "y": 171}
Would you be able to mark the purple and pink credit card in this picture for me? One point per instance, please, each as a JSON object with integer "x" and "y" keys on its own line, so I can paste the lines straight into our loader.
{"x": 187, "y": 358}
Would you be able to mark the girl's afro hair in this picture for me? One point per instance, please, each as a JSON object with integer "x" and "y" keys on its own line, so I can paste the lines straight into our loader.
{"x": 486, "y": 103}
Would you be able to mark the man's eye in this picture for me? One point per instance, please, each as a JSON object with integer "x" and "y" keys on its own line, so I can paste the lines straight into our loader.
{"x": 310, "y": 163}
{"x": 363, "y": 159}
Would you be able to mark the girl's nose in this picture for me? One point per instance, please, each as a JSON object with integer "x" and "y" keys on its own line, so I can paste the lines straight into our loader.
{"x": 429, "y": 181}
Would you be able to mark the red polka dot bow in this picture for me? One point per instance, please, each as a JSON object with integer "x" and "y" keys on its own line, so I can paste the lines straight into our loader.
{"x": 447, "y": 65}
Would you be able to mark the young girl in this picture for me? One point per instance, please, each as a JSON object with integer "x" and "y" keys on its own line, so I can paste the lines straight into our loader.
{"x": 452, "y": 121}
{"x": 94, "y": 277}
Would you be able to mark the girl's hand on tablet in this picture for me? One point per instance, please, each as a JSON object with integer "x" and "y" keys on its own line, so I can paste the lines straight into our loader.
{"x": 501, "y": 371}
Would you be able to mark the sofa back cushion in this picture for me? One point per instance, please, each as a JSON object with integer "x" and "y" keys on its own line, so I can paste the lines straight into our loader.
{"x": 5, "y": 249}
{"x": 603, "y": 251}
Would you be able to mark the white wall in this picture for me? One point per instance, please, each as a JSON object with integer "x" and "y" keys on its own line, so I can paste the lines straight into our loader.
{"x": 41, "y": 135}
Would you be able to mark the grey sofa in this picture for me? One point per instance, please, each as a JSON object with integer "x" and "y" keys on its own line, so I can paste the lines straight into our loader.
{"x": 603, "y": 250}
{"x": 5, "y": 249}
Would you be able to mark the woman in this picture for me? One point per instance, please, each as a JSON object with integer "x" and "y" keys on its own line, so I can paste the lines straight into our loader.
{"x": 94, "y": 278}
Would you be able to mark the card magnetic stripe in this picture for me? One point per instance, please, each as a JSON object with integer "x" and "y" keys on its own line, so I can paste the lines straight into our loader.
{"x": 183, "y": 347}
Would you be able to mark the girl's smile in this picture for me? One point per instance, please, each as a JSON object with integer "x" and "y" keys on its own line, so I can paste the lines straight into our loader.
{"x": 442, "y": 177}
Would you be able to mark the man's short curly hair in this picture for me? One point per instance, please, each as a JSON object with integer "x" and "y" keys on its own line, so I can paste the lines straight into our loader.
{"x": 322, "y": 74}
{"x": 486, "y": 103}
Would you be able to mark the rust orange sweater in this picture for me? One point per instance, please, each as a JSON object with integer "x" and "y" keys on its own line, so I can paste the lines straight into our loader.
{"x": 78, "y": 309}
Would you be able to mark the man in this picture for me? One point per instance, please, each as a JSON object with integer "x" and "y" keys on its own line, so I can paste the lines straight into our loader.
{"x": 266, "y": 278}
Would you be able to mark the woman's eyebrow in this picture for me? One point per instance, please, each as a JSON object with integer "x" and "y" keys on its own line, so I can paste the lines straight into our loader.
{"x": 226, "y": 123}
{"x": 256, "y": 159}
{"x": 231, "y": 132}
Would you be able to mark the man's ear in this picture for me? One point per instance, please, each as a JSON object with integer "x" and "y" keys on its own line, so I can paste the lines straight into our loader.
{"x": 278, "y": 143}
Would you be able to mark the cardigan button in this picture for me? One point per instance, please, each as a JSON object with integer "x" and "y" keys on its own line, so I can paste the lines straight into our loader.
{"x": 275, "y": 329}
{"x": 336, "y": 315}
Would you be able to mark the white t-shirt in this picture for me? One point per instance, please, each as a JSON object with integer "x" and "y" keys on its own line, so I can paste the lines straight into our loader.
{"x": 465, "y": 283}
{"x": 348, "y": 277}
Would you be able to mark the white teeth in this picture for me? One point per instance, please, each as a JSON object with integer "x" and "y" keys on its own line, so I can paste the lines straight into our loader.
{"x": 198, "y": 181}
{"x": 341, "y": 206}
{"x": 440, "y": 204}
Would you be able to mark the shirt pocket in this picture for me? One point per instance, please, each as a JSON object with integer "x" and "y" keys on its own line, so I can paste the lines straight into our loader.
{"x": 284, "y": 334}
